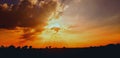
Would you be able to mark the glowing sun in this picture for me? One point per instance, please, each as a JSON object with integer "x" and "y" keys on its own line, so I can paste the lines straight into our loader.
{"x": 52, "y": 35}
{"x": 53, "y": 32}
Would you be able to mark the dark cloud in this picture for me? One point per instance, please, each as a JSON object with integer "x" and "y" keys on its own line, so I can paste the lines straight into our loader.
{"x": 26, "y": 15}
{"x": 9, "y": 1}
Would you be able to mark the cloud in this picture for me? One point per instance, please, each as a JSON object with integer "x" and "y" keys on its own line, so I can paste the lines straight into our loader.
{"x": 28, "y": 15}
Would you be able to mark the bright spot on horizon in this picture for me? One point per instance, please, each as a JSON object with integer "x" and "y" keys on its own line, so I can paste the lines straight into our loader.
{"x": 52, "y": 35}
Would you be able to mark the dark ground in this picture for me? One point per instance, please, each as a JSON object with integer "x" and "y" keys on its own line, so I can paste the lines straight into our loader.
{"x": 109, "y": 51}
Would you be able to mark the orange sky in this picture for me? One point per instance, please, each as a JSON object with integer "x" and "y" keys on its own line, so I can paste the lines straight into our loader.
{"x": 68, "y": 38}
{"x": 84, "y": 23}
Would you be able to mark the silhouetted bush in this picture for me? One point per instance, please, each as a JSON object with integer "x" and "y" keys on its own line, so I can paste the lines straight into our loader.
{"x": 11, "y": 47}
{"x": 108, "y": 51}
{"x": 30, "y": 47}
{"x": 25, "y": 47}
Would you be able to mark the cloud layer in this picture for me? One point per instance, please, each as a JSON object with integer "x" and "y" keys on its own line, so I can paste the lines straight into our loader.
{"x": 29, "y": 15}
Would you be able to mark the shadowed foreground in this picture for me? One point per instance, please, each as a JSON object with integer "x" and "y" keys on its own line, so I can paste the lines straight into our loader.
{"x": 109, "y": 51}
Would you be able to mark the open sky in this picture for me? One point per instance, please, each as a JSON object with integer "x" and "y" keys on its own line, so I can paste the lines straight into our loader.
{"x": 83, "y": 23}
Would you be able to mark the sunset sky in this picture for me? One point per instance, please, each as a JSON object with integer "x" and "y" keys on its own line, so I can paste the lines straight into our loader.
{"x": 58, "y": 23}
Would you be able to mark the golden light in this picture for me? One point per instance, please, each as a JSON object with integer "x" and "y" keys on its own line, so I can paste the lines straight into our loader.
{"x": 52, "y": 35}
{"x": 53, "y": 32}
{"x": 53, "y": 23}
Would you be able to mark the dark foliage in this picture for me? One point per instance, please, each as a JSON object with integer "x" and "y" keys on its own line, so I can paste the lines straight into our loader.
{"x": 109, "y": 51}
